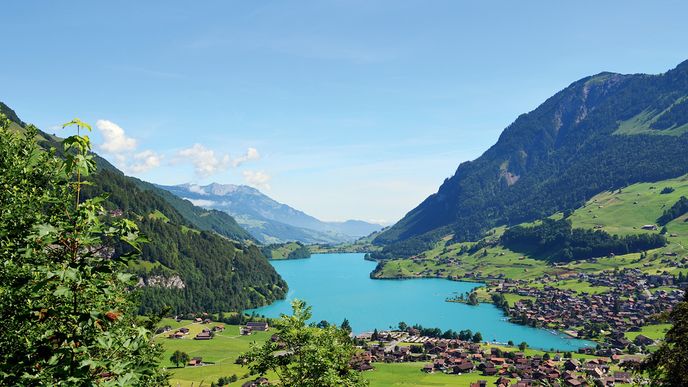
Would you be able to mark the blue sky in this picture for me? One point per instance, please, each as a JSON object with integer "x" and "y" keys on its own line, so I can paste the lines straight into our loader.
{"x": 344, "y": 109}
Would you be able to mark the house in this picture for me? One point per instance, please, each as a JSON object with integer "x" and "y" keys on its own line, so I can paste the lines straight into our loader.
{"x": 622, "y": 377}
{"x": 256, "y": 383}
{"x": 176, "y": 335}
{"x": 571, "y": 365}
{"x": 245, "y": 331}
{"x": 428, "y": 368}
{"x": 196, "y": 361}
{"x": 205, "y": 335}
{"x": 258, "y": 326}
{"x": 643, "y": 340}
{"x": 184, "y": 330}
{"x": 649, "y": 227}
{"x": 218, "y": 328}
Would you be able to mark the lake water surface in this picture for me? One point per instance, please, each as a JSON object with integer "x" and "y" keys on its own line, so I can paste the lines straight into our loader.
{"x": 338, "y": 286}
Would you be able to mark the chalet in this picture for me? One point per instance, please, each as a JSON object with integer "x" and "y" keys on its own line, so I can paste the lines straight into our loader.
{"x": 622, "y": 377}
{"x": 176, "y": 335}
{"x": 649, "y": 227}
{"x": 205, "y": 335}
{"x": 245, "y": 331}
{"x": 196, "y": 361}
{"x": 256, "y": 383}
{"x": 571, "y": 364}
{"x": 428, "y": 368}
{"x": 643, "y": 340}
{"x": 218, "y": 328}
{"x": 258, "y": 326}
{"x": 184, "y": 330}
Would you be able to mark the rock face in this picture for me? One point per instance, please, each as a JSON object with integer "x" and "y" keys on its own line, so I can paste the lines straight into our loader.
{"x": 599, "y": 133}
{"x": 158, "y": 281}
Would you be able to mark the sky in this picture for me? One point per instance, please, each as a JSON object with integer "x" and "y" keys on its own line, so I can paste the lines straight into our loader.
{"x": 342, "y": 109}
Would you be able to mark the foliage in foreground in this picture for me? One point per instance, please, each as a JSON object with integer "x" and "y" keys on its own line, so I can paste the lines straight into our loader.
{"x": 305, "y": 355}
{"x": 65, "y": 301}
{"x": 668, "y": 366}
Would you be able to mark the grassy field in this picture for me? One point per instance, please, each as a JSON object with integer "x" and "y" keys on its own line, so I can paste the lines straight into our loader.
{"x": 221, "y": 351}
{"x": 654, "y": 332}
{"x": 575, "y": 285}
{"x": 410, "y": 374}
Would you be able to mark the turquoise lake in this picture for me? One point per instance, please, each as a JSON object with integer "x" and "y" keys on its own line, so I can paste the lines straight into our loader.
{"x": 338, "y": 286}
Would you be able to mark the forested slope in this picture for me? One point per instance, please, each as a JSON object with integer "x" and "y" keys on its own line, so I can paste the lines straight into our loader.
{"x": 196, "y": 260}
{"x": 602, "y": 132}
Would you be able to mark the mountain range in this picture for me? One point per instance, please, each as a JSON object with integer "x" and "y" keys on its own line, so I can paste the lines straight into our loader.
{"x": 268, "y": 220}
{"x": 600, "y": 133}
{"x": 196, "y": 259}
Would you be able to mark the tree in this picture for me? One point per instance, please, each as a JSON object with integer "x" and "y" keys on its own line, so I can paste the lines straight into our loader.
{"x": 403, "y": 326}
{"x": 477, "y": 337}
{"x": 67, "y": 307}
{"x": 510, "y": 343}
{"x": 375, "y": 336}
{"x": 323, "y": 324}
{"x": 546, "y": 356}
{"x": 346, "y": 326}
{"x": 668, "y": 366}
{"x": 305, "y": 355}
{"x": 522, "y": 347}
{"x": 179, "y": 357}
{"x": 473, "y": 298}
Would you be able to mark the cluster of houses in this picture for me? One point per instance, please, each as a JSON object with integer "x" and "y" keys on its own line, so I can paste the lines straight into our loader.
{"x": 451, "y": 356}
{"x": 254, "y": 326}
{"x": 631, "y": 302}
{"x": 205, "y": 334}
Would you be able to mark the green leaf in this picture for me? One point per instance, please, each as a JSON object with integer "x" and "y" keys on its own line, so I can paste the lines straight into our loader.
{"x": 78, "y": 123}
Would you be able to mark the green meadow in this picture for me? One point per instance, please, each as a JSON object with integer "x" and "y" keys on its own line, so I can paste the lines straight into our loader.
{"x": 220, "y": 353}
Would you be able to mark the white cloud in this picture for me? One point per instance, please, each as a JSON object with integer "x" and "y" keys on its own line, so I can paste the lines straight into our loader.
{"x": 115, "y": 140}
{"x": 200, "y": 202}
{"x": 122, "y": 147}
{"x": 251, "y": 154}
{"x": 258, "y": 179}
{"x": 145, "y": 161}
{"x": 197, "y": 189}
{"x": 205, "y": 161}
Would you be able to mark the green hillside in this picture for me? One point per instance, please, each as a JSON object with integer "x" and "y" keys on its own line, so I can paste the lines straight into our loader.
{"x": 620, "y": 212}
{"x": 600, "y": 133}
{"x": 196, "y": 260}
{"x": 290, "y": 250}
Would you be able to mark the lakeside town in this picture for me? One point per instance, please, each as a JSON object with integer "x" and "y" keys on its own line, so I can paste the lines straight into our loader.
{"x": 489, "y": 363}
{"x": 629, "y": 300}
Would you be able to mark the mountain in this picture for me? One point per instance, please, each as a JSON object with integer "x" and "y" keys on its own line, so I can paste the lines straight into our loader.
{"x": 196, "y": 260}
{"x": 268, "y": 220}
{"x": 600, "y": 133}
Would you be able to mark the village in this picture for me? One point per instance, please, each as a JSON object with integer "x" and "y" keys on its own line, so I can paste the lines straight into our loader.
{"x": 510, "y": 365}
{"x": 631, "y": 300}
{"x": 501, "y": 364}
